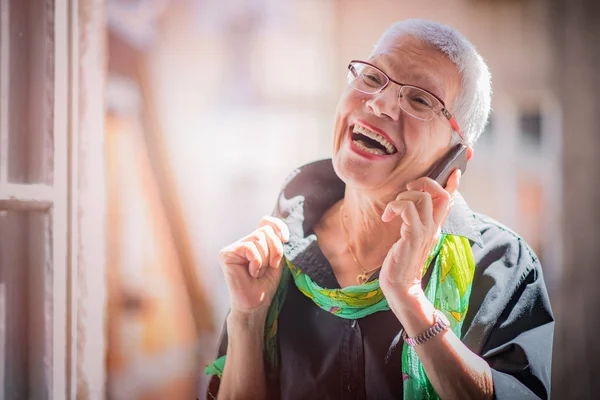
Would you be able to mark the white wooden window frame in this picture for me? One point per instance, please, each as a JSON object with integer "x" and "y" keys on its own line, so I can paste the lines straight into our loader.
{"x": 76, "y": 258}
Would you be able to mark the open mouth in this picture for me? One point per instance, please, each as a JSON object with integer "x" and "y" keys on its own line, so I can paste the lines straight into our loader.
{"x": 371, "y": 142}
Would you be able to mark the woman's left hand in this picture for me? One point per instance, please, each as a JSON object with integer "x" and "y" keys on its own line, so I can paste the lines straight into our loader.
{"x": 423, "y": 208}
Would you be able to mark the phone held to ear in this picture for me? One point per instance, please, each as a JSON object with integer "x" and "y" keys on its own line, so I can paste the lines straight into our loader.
{"x": 456, "y": 158}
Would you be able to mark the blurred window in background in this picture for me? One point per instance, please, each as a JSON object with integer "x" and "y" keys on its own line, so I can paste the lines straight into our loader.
{"x": 538, "y": 144}
{"x": 530, "y": 124}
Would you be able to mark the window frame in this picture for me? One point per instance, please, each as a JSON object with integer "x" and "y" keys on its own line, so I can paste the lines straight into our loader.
{"x": 74, "y": 262}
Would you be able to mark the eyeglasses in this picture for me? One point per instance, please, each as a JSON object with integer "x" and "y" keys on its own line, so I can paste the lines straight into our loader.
{"x": 416, "y": 102}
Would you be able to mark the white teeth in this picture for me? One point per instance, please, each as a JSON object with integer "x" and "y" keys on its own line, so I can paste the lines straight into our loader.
{"x": 372, "y": 135}
{"x": 361, "y": 146}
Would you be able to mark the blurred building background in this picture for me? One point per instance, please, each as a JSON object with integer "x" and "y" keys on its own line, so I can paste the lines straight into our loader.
{"x": 238, "y": 84}
{"x": 138, "y": 137}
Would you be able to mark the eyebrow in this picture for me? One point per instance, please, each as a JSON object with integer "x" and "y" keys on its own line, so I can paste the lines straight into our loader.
{"x": 427, "y": 82}
{"x": 432, "y": 84}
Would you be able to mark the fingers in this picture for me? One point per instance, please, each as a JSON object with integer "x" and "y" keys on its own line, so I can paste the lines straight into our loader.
{"x": 419, "y": 201}
{"x": 242, "y": 254}
{"x": 453, "y": 182}
{"x": 280, "y": 228}
{"x": 261, "y": 260}
{"x": 258, "y": 250}
{"x": 440, "y": 197}
{"x": 409, "y": 214}
{"x": 412, "y": 224}
{"x": 426, "y": 184}
{"x": 427, "y": 198}
{"x": 275, "y": 247}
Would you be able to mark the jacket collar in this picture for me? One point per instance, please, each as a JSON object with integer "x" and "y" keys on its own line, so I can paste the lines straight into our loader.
{"x": 312, "y": 189}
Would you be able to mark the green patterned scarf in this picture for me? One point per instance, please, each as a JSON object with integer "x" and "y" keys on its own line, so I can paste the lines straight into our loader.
{"x": 448, "y": 290}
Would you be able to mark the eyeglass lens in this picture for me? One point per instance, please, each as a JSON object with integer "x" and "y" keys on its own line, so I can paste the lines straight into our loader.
{"x": 414, "y": 101}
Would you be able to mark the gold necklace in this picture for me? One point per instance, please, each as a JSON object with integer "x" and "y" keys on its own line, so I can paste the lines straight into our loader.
{"x": 360, "y": 278}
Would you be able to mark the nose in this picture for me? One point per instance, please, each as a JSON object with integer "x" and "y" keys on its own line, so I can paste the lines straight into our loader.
{"x": 385, "y": 103}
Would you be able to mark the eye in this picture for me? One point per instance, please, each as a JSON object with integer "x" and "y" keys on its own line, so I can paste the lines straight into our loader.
{"x": 422, "y": 100}
{"x": 418, "y": 99}
{"x": 372, "y": 80}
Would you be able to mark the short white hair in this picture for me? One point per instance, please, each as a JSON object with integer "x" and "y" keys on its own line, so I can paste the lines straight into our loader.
{"x": 472, "y": 104}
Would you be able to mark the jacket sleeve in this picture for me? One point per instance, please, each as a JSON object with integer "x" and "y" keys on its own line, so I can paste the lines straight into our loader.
{"x": 512, "y": 324}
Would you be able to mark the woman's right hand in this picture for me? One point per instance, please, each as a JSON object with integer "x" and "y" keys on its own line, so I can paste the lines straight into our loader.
{"x": 253, "y": 266}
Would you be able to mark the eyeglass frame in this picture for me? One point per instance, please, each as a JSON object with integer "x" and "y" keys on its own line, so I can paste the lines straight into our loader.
{"x": 444, "y": 110}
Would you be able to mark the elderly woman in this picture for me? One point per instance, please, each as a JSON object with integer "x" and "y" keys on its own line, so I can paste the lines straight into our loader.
{"x": 375, "y": 280}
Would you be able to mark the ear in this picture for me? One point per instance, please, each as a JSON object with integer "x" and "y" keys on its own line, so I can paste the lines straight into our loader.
{"x": 470, "y": 152}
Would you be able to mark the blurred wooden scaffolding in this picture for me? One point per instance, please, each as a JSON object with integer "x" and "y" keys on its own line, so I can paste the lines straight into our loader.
{"x": 157, "y": 310}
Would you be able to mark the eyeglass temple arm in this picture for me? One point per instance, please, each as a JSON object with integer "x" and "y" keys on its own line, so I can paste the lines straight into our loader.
{"x": 453, "y": 123}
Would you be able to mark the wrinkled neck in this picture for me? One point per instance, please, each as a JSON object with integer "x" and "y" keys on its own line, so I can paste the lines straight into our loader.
{"x": 369, "y": 237}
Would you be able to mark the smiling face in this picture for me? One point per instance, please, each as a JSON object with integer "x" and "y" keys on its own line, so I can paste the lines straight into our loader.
{"x": 368, "y": 127}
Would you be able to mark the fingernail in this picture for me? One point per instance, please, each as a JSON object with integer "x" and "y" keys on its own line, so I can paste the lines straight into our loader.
{"x": 384, "y": 216}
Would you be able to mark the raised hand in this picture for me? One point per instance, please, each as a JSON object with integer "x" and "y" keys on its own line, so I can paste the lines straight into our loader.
{"x": 423, "y": 208}
{"x": 253, "y": 265}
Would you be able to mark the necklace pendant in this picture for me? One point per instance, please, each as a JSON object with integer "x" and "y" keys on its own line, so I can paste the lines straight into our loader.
{"x": 362, "y": 278}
